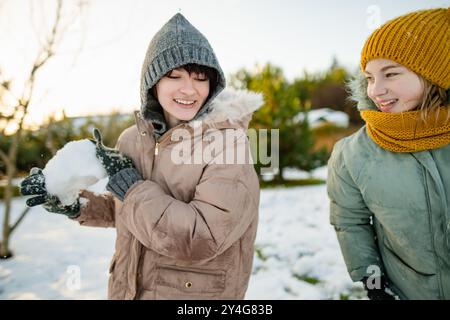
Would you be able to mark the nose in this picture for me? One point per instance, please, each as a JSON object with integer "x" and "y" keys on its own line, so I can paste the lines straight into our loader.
{"x": 376, "y": 88}
{"x": 188, "y": 87}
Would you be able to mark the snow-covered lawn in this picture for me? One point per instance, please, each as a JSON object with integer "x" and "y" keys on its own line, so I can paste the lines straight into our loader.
{"x": 49, "y": 251}
{"x": 297, "y": 253}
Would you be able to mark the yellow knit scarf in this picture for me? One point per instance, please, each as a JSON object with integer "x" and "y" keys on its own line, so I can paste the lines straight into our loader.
{"x": 405, "y": 132}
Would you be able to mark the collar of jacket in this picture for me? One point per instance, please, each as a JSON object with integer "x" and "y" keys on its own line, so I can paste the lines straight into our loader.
{"x": 230, "y": 109}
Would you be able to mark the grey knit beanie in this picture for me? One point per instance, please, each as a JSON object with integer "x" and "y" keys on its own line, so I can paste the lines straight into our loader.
{"x": 176, "y": 44}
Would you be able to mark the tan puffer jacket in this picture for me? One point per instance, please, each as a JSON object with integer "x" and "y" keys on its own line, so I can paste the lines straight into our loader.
{"x": 187, "y": 231}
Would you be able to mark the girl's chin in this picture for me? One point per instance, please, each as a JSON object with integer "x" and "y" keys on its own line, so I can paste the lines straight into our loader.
{"x": 184, "y": 115}
{"x": 184, "y": 106}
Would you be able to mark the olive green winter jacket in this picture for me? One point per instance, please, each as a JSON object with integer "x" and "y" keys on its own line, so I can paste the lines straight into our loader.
{"x": 392, "y": 210}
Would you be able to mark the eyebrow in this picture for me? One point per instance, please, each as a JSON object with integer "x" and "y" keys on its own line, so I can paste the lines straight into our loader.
{"x": 386, "y": 67}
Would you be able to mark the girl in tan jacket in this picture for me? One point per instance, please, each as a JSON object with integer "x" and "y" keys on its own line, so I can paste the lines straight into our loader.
{"x": 186, "y": 206}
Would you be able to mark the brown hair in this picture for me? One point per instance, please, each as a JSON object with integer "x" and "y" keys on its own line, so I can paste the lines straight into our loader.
{"x": 435, "y": 99}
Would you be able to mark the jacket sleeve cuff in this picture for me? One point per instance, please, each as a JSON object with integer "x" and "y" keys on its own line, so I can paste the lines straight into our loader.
{"x": 96, "y": 210}
{"x": 122, "y": 181}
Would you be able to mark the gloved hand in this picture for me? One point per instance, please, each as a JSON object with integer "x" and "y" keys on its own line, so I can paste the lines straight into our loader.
{"x": 379, "y": 293}
{"x": 111, "y": 159}
{"x": 34, "y": 184}
{"x": 122, "y": 181}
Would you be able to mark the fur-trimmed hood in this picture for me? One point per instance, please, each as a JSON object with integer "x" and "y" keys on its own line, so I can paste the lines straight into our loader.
{"x": 232, "y": 107}
{"x": 357, "y": 87}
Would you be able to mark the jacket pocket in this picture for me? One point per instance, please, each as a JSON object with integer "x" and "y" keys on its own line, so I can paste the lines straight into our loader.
{"x": 191, "y": 280}
{"x": 401, "y": 263}
{"x": 414, "y": 259}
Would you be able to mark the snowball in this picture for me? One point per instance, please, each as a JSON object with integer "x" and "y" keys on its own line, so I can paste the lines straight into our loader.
{"x": 73, "y": 168}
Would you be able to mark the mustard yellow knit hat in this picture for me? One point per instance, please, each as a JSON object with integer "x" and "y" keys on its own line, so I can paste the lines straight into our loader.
{"x": 419, "y": 40}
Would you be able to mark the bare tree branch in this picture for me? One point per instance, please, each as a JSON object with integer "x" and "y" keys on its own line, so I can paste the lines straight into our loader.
{"x": 4, "y": 157}
{"x": 22, "y": 215}
{"x": 5, "y": 88}
{"x": 46, "y": 53}
{"x": 19, "y": 113}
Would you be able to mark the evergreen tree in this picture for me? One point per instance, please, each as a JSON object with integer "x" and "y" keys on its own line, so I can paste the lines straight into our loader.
{"x": 283, "y": 102}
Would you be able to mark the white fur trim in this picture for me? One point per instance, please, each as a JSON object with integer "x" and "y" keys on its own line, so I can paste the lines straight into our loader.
{"x": 232, "y": 104}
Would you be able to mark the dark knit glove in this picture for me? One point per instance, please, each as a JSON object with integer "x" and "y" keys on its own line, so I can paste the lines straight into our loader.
{"x": 34, "y": 184}
{"x": 122, "y": 181}
{"x": 377, "y": 293}
{"x": 111, "y": 159}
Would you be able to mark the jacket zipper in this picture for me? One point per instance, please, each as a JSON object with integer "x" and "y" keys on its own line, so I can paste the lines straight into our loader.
{"x": 140, "y": 246}
{"x": 163, "y": 139}
{"x": 430, "y": 222}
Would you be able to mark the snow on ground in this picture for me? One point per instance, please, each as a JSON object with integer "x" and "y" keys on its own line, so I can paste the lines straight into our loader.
{"x": 292, "y": 174}
{"x": 49, "y": 252}
{"x": 318, "y": 117}
{"x": 297, "y": 253}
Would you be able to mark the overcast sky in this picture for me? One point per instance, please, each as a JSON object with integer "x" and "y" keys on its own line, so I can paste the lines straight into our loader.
{"x": 98, "y": 64}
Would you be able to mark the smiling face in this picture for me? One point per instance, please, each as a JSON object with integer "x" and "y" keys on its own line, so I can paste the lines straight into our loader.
{"x": 181, "y": 94}
{"x": 393, "y": 87}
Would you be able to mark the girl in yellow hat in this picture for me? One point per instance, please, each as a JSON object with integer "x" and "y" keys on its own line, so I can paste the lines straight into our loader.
{"x": 389, "y": 183}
